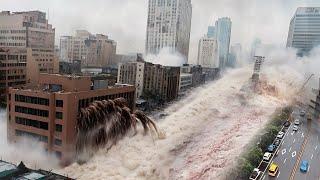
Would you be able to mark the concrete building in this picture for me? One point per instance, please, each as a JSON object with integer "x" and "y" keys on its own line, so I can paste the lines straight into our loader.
{"x": 132, "y": 73}
{"x": 92, "y": 50}
{"x": 169, "y": 25}
{"x": 185, "y": 81}
{"x": 208, "y": 52}
{"x": 211, "y": 73}
{"x": 73, "y": 67}
{"x": 49, "y": 112}
{"x": 223, "y": 35}
{"x": 30, "y": 31}
{"x": 197, "y": 76}
{"x": 12, "y": 69}
{"x": 234, "y": 55}
{"x": 304, "y": 30}
{"x": 211, "y": 32}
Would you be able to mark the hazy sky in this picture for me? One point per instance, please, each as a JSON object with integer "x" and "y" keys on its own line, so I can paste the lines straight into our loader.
{"x": 125, "y": 20}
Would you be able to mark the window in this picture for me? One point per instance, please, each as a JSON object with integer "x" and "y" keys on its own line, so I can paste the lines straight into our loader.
{"x": 57, "y": 142}
{"x": 32, "y": 123}
{"x": 32, "y": 100}
{"x": 31, "y": 111}
{"x": 58, "y": 128}
{"x": 59, "y": 115}
{"x": 59, "y": 103}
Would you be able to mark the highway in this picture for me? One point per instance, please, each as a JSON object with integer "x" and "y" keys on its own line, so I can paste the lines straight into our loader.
{"x": 298, "y": 146}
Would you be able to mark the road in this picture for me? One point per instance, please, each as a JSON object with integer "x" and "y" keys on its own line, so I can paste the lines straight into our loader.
{"x": 298, "y": 146}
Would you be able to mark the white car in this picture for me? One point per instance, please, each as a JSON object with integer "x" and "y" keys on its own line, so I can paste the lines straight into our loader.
{"x": 267, "y": 156}
{"x": 297, "y": 122}
{"x": 280, "y": 135}
{"x": 295, "y": 128}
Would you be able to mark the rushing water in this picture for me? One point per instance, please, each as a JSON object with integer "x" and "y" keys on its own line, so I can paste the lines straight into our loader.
{"x": 205, "y": 133}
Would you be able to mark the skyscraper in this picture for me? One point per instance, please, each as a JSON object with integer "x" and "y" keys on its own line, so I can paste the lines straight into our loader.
{"x": 211, "y": 32}
{"x": 304, "y": 30}
{"x": 169, "y": 25}
{"x": 208, "y": 52}
{"x": 223, "y": 34}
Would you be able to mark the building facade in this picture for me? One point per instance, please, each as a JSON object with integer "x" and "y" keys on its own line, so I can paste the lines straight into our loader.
{"x": 211, "y": 32}
{"x": 168, "y": 26}
{"x": 185, "y": 81}
{"x": 49, "y": 112}
{"x": 223, "y": 35}
{"x": 73, "y": 67}
{"x": 208, "y": 52}
{"x": 132, "y": 73}
{"x": 30, "y": 31}
{"x": 12, "y": 69}
{"x": 196, "y": 71}
{"x": 92, "y": 50}
{"x": 304, "y": 30}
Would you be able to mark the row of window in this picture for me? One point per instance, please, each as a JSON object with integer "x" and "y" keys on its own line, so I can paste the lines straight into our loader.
{"x": 32, "y": 100}
{"x": 12, "y": 44}
{"x": 31, "y": 111}
{"x": 32, "y": 135}
{"x": 13, "y": 64}
{"x": 32, "y": 123}
{"x": 12, "y": 31}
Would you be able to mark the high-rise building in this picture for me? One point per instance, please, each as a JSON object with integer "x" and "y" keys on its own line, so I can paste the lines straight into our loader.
{"x": 304, "y": 30}
{"x": 169, "y": 25}
{"x": 208, "y": 52}
{"x": 92, "y": 50}
{"x": 30, "y": 31}
{"x": 223, "y": 35}
{"x": 234, "y": 55}
{"x": 12, "y": 69}
{"x": 48, "y": 112}
{"x": 211, "y": 32}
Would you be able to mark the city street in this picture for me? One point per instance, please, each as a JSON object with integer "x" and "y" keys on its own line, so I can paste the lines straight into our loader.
{"x": 296, "y": 147}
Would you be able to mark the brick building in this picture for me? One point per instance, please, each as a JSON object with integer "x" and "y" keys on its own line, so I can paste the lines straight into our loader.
{"x": 49, "y": 112}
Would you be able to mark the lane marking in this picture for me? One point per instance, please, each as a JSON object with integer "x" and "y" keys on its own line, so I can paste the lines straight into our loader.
{"x": 292, "y": 133}
{"x": 311, "y": 156}
{"x": 316, "y": 147}
{"x": 264, "y": 177}
{"x": 302, "y": 135}
{"x": 294, "y": 140}
{"x": 294, "y": 154}
{"x": 290, "y": 149}
{"x": 283, "y": 151}
{"x": 278, "y": 174}
{"x": 284, "y": 160}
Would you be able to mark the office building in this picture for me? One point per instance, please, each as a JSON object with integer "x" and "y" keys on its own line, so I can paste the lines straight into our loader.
{"x": 92, "y": 50}
{"x": 73, "y": 67}
{"x": 49, "y": 112}
{"x": 208, "y": 52}
{"x": 223, "y": 35}
{"x": 185, "y": 81}
{"x": 169, "y": 25}
{"x": 31, "y": 32}
{"x": 196, "y": 70}
{"x": 12, "y": 69}
{"x": 304, "y": 30}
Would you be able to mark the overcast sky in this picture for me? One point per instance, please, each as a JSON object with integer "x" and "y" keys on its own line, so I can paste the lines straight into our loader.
{"x": 125, "y": 20}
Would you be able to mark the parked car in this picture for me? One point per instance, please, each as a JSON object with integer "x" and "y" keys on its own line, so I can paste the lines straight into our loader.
{"x": 271, "y": 148}
{"x": 302, "y": 113}
{"x": 286, "y": 124}
{"x": 295, "y": 128}
{"x": 280, "y": 135}
{"x": 273, "y": 170}
{"x": 304, "y": 166}
{"x": 297, "y": 122}
{"x": 277, "y": 142}
{"x": 267, "y": 156}
{"x": 255, "y": 174}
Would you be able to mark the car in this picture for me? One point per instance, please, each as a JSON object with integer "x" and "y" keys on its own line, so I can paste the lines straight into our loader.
{"x": 267, "y": 156}
{"x": 302, "y": 113}
{"x": 277, "y": 142}
{"x": 297, "y": 122}
{"x": 295, "y": 128}
{"x": 271, "y": 148}
{"x": 304, "y": 166}
{"x": 286, "y": 124}
{"x": 255, "y": 174}
{"x": 280, "y": 135}
{"x": 273, "y": 170}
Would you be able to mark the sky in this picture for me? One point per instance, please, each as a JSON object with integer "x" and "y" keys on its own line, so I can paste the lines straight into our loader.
{"x": 125, "y": 20}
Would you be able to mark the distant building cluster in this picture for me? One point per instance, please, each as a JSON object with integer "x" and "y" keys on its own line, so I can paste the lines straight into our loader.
{"x": 213, "y": 48}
